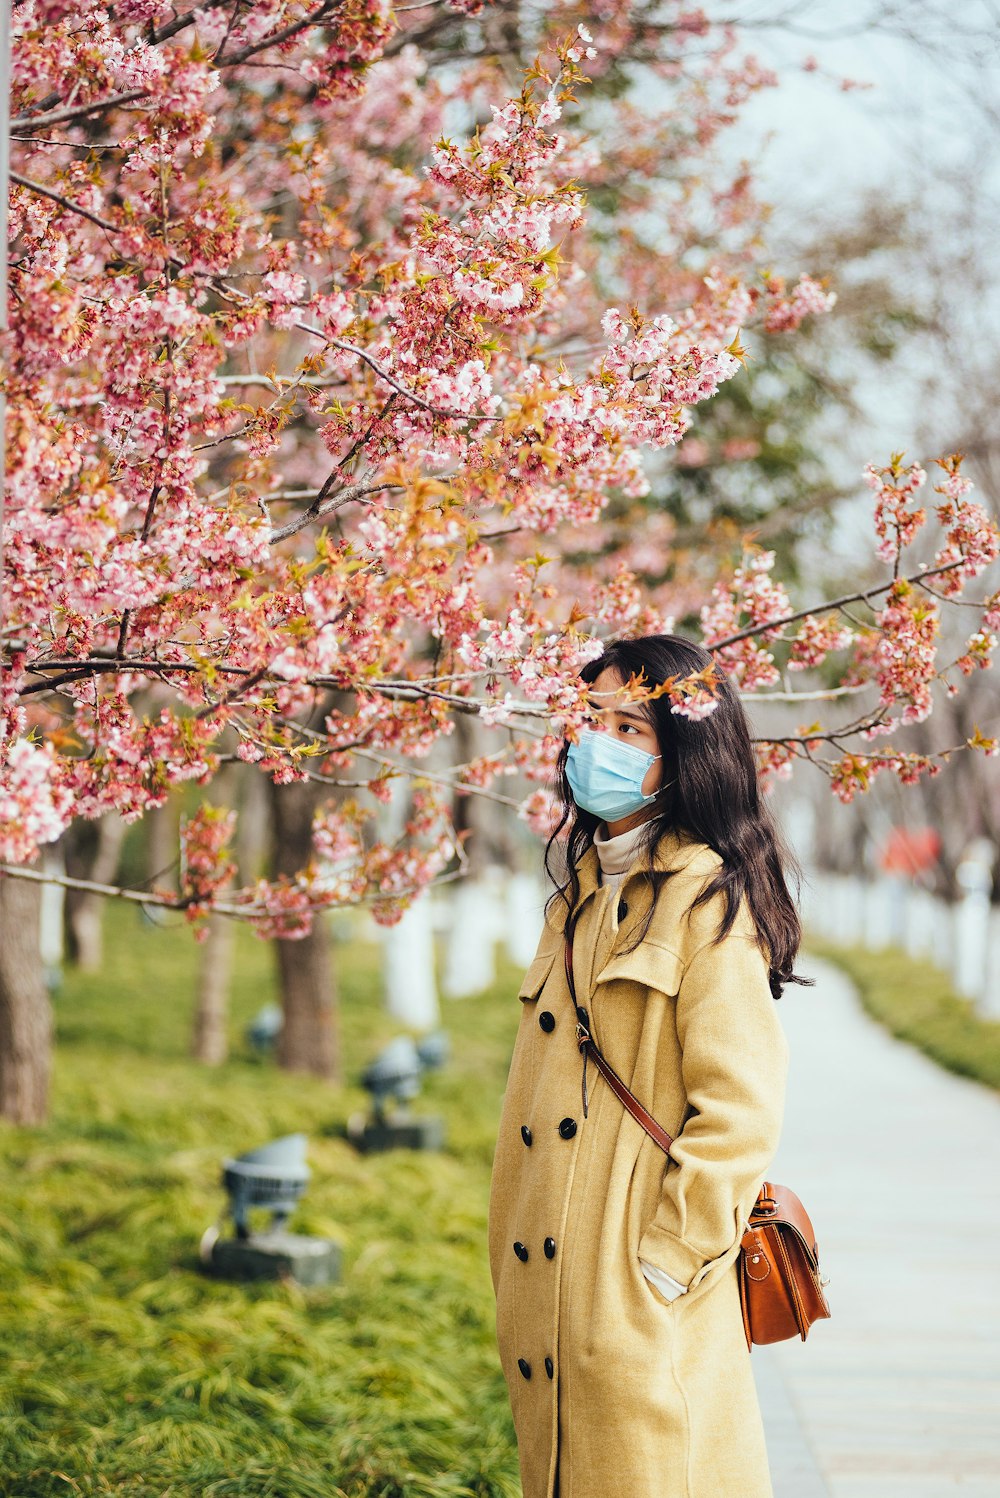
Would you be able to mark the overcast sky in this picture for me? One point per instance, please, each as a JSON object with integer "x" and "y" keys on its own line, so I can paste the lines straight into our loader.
{"x": 932, "y": 113}
{"x": 933, "y": 95}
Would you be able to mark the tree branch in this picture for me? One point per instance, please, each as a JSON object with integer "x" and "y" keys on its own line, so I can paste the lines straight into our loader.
{"x": 90, "y": 886}
{"x": 325, "y": 506}
{"x": 825, "y": 694}
{"x": 292, "y": 29}
{"x": 57, "y": 197}
{"x": 180, "y": 23}
{"x": 97, "y": 106}
{"x": 180, "y": 903}
{"x": 834, "y": 603}
{"x": 79, "y": 111}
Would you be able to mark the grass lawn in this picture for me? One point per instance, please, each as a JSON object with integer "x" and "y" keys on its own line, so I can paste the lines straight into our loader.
{"x": 916, "y": 1002}
{"x": 125, "y": 1370}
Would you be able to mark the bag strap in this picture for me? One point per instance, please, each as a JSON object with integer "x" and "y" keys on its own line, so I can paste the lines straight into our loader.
{"x": 589, "y": 1047}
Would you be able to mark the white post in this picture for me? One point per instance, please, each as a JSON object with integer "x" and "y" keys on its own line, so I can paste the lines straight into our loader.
{"x": 50, "y": 936}
{"x": 408, "y": 976}
{"x": 470, "y": 964}
{"x": 990, "y": 1004}
{"x": 919, "y": 917}
{"x": 972, "y": 918}
{"x": 847, "y": 909}
{"x": 814, "y": 900}
{"x": 942, "y": 929}
{"x": 877, "y": 913}
{"x": 819, "y": 901}
{"x": 524, "y": 918}
{"x": 800, "y": 829}
{"x": 884, "y": 914}
{"x": 408, "y": 968}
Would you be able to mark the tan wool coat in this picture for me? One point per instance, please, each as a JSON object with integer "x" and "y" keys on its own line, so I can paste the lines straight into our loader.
{"x": 613, "y": 1388}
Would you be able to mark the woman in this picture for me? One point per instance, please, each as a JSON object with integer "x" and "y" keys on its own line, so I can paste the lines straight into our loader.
{"x": 618, "y": 1314}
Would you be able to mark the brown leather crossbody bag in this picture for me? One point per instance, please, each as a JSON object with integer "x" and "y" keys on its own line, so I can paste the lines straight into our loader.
{"x": 781, "y": 1292}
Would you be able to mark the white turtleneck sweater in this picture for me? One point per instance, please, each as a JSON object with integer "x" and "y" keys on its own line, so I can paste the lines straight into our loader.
{"x": 617, "y": 855}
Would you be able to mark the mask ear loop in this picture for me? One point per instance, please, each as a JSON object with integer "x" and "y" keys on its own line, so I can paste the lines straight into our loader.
{"x": 665, "y": 787}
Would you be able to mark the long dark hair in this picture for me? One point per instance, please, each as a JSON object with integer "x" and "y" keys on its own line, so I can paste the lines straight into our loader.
{"x": 710, "y": 791}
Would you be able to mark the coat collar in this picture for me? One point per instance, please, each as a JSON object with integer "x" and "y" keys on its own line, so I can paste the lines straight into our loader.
{"x": 675, "y": 850}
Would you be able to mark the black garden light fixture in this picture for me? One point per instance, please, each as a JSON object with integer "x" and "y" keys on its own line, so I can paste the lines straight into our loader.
{"x": 263, "y": 1030}
{"x": 394, "y": 1076}
{"x": 273, "y": 1178}
{"x": 434, "y": 1050}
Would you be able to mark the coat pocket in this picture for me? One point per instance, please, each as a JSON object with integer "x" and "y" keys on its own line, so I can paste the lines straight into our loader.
{"x": 657, "y": 1294}
{"x": 536, "y": 977}
{"x": 714, "y": 1269}
{"x": 649, "y": 964}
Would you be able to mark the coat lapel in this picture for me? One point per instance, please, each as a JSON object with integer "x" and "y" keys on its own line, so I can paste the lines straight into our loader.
{"x": 594, "y": 941}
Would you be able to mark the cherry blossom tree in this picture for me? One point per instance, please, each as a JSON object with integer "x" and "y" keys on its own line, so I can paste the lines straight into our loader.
{"x": 328, "y": 352}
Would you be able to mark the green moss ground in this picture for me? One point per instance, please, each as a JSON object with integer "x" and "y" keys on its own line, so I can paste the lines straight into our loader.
{"x": 125, "y": 1370}
{"x": 916, "y": 1002}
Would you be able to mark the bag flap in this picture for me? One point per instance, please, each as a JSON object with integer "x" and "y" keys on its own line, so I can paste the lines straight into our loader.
{"x": 779, "y": 1211}
{"x": 779, "y": 1205}
{"x": 650, "y": 964}
{"x": 534, "y": 979}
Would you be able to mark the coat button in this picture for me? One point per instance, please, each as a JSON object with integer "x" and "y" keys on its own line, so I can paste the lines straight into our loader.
{"x": 525, "y": 1367}
{"x": 622, "y": 910}
{"x": 522, "y": 1252}
{"x": 550, "y": 1367}
{"x": 567, "y": 1128}
{"x": 550, "y": 1248}
{"x": 526, "y": 1134}
{"x": 547, "y": 1021}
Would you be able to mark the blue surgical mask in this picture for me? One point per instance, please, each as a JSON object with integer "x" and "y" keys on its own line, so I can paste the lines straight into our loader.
{"x": 606, "y": 775}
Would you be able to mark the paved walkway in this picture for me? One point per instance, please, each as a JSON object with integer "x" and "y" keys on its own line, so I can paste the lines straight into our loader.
{"x": 898, "y": 1164}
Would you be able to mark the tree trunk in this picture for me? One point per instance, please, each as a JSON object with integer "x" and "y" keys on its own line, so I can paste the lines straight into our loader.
{"x": 162, "y": 844}
{"x": 253, "y": 830}
{"x": 210, "y": 1037}
{"x": 309, "y": 1039}
{"x": 92, "y": 852}
{"x": 25, "y": 1010}
{"x": 211, "y": 1040}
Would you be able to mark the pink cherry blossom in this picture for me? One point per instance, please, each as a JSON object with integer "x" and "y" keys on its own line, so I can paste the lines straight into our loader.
{"x": 896, "y": 524}
{"x": 323, "y": 438}
{"x": 35, "y": 805}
